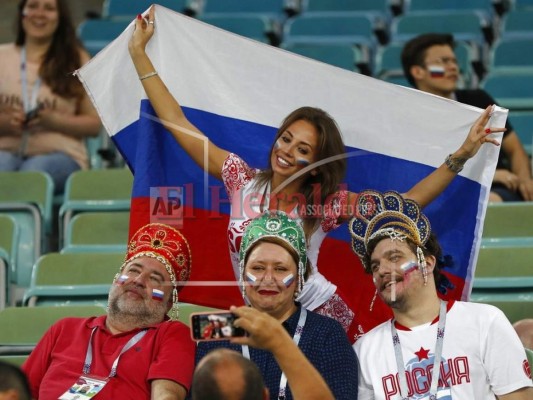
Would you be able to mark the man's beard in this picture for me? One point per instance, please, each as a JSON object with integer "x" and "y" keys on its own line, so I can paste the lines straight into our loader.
{"x": 135, "y": 313}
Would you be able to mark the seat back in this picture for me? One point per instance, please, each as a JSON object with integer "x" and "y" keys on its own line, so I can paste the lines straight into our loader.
{"x": 98, "y": 232}
{"x": 512, "y": 55}
{"x": 96, "y": 34}
{"x": 517, "y": 24}
{"x": 128, "y": 9}
{"x": 506, "y": 222}
{"x": 515, "y": 305}
{"x": 465, "y": 26}
{"x": 8, "y": 255}
{"x": 24, "y": 326}
{"x": 27, "y": 196}
{"x": 73, "y": 278}
{"x": 252, "y": 27}
{"x": 509, "y": 89}
{"x": 342, "y": 55}
{"x": 523, "y": 125}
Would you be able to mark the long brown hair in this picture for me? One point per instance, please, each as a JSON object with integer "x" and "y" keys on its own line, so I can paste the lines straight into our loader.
{"x": 63, "y": 56}
{"x": 329, "y": 175}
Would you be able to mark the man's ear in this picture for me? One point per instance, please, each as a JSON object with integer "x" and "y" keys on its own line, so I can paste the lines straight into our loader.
{"x": 431, "y": 261}
{"x": 417, "y": 72}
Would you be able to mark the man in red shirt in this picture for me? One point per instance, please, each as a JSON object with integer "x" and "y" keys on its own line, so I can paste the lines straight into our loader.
{"x": 135, "y": 351}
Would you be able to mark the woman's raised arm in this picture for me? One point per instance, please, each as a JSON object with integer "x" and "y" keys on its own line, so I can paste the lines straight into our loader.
{"x": 166, "y": 106}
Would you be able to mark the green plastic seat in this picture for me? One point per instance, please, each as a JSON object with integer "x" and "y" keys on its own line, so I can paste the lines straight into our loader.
{"x": 186, "y": 309}
{"x": 508, "y": 224}
{"x": 95, "y": 190}
{"x": 72, "y": 278}
{"x": 27, "y": 196}
{"x": 516, "y": 305}
{"x": 14, "y": 360}
{"x": 501, "y": 267}
{"x": 23, "y": 327}
{"x": 8, "y": 255}
{"x": 98, "y": 232}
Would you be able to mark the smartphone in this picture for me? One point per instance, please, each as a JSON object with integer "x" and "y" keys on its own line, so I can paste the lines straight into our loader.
{"x": 214, "y": 325}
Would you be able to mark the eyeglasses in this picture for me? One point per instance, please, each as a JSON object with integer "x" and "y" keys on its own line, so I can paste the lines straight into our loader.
{"x": 443, "y": 61}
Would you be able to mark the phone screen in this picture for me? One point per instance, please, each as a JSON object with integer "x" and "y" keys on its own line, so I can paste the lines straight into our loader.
{"x": 214, "y": 326}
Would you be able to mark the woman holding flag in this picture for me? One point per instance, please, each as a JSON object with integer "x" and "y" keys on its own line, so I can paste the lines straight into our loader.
{"x": 307, "y": 165}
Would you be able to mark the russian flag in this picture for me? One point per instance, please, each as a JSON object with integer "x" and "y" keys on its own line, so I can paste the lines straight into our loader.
{"x": 237, "y": 91}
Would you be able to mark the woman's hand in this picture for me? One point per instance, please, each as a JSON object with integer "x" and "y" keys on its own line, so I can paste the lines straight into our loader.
{"x": 478, "y": 135}
{"x": 265, "y": 332}
{"x": 144, "y": 30}
{"x": 11, "y": 121}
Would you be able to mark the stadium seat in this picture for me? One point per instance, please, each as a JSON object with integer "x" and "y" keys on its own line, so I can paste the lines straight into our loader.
{"x": 522, "y": 122}
{"x": 511, "y": 90}
{"x": 515, "y": 305}
{"x": 128, "y": 9}
{"x": 97, "y": 232}
{"x": 8, "y": 255}
{"x": 23, "y": 327}
{"x": 505, "y": 224}
{"x": 517, "y": 24}
{"x": 484, "y": 7}
{"x": 512, "y": 55}
{"x": 338, "y": 29}
{"x": 27, "y": 196}
{"x": 465, "y": 26}
{"x": 343, "y": 55}
{"x": 504, "y": 267}
{"x": 96, "y": 34}
{"x": 253, "y": 27}
{"x": 72, "y": 278}
{"x": 14, "y": 360}
{"x": 186, "y": 309}
{"x": 95, "y": 190}
{"x": 377, "y": 11}
{"x": 268, "y": 8}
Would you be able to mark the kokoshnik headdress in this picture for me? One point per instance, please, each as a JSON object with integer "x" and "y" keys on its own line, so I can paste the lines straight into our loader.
{"x": 168, "y": 246}
{"x": 278, "y": 225}
{"x": 389, "y": 215}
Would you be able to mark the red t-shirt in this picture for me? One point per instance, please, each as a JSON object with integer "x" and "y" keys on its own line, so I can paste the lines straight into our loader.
{"x": 165, "y": 352}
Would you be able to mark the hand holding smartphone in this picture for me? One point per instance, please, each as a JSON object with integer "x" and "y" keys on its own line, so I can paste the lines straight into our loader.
{"x": 214, "y": 325}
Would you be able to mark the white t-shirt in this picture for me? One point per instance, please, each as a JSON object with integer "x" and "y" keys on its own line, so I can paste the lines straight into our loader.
{"x": 481, "y": 356}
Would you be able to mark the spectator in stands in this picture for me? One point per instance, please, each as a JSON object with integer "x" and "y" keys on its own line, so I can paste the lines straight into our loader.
{"x": 295, "y": 181}
{"x": 45, "y": 115}
{"x": 430, "y": 65}
{"x": 524, "y": 329}
{"x": 135, "y": 350}
{"x": 472, "y": 346}
{"x": 274, "y": 265}
{"x": 13, "y": 383}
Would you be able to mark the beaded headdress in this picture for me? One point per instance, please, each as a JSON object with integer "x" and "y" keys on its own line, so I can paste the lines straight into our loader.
{"x": 388, "y": 214}
{"x": 278, "y": 225}
{"x": 170, "y": 248}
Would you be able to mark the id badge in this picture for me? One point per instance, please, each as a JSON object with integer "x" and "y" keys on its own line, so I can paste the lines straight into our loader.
{"x": 86, "y": 387}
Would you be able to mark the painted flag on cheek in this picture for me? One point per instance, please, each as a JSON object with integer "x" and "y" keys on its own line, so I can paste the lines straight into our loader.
{"x": 436, "y": 71}
{"x": 237, "y": 92}
{"x": 157, "y": 294}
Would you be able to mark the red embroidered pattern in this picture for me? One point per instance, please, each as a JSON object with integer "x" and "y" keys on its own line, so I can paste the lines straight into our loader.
{"x": 337, "y": 309}
{"x": 236, "y": 173}
{"x": 332, "y": 210}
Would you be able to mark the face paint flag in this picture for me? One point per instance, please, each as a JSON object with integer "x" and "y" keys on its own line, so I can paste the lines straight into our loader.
{"x": 250, "y": 278}
{"x": 436, "y": 71}
{"x": 237, "y": 92}
{"x": 157, "y": 294}
{"x": 288, "y": 280}
{"x": 121, "y": 279}
{"x": 409, "y": 267}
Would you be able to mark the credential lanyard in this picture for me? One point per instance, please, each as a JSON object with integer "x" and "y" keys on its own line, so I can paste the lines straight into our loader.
{"x": 404, "y": 391}
{"x": 296, "y": 340}
{"x": 29, "y": 103}
{"x": 89, "y": 356}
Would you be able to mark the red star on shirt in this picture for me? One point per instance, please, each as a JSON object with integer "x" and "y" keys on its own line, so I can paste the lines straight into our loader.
{"x": 422, "y": 354}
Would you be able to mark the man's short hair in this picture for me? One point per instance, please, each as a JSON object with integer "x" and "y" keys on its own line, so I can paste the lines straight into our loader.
{"x": 414, "y": 51}
{"x": 12, "y": 378}
{"x": 205, "y": 385}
